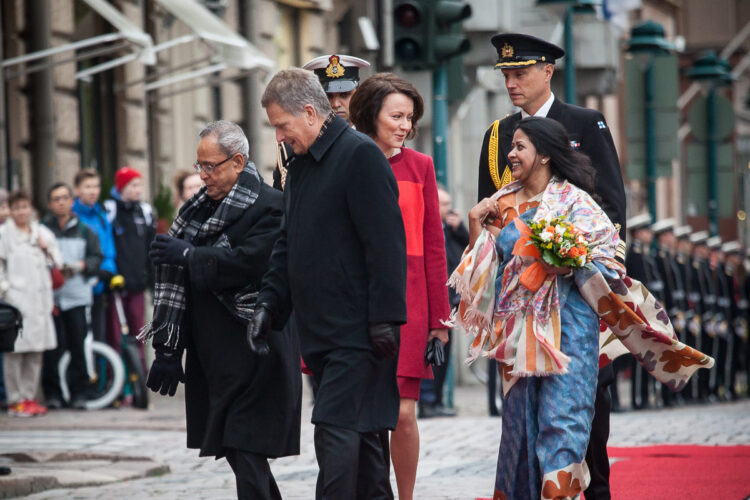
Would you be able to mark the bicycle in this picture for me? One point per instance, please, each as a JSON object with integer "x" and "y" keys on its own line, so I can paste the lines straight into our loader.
{"x": 110, "y": 374}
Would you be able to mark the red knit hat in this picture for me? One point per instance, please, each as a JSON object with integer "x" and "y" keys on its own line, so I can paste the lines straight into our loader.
{"x": 125, "y": 175}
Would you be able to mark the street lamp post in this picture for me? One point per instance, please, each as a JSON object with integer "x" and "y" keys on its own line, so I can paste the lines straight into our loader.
{"x": 571, "y": 7}
{"x": 714, "y": 72}
{"x": 646, "y": 41}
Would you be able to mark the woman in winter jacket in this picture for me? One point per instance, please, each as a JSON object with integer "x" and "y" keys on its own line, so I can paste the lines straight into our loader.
{"x": 26, "y": 251}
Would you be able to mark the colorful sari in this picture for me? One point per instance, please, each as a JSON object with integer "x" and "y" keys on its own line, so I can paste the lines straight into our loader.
{"x": 550, "y": 342}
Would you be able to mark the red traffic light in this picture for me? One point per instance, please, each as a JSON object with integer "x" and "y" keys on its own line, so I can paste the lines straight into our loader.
{"x": 407, "y": 15}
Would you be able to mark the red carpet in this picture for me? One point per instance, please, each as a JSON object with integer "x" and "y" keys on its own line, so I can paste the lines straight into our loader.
{"x": 671, "y": 472}
{"x": 680, "y": 472}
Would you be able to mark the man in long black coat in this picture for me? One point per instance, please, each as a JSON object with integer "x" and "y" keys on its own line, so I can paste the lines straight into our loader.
{"x": 527, "y": 63}
{"x": 238, "y": 404}
{"x": 341, "y": 263}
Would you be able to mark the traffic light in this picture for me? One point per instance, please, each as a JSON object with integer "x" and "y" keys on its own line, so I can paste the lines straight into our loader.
{"x": 410, "y": 37}
{"x": 449, "y": 40}
{"x": 426, "y": 33}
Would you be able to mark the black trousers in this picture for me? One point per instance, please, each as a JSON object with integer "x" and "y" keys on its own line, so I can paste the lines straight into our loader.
{"x": 596, "y": 453}
{"x": 353, "y": 465}
{"x": 99, "y": 318}
{"x": 253, "y": 475}
{"x": 440, "y": 372}
{"x": 70, "y": 326}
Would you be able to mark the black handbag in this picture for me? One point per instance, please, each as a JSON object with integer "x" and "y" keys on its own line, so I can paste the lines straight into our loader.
{"x": 11, "y": 324}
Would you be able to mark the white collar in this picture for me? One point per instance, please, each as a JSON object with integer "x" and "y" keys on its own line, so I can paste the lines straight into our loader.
{"x": 543, "y": 110}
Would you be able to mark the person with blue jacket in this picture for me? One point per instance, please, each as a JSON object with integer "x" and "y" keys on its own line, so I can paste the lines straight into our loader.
{"x": 87, "y": 188}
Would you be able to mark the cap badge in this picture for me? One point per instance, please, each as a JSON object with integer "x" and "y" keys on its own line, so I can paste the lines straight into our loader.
{"x": 507, "y": 51}
{"x": 334, "y": 69}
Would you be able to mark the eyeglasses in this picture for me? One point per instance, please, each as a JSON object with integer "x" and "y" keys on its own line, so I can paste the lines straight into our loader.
{"x": 208, "y": 167}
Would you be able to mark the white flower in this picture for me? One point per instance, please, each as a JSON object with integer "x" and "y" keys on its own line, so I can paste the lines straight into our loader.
{"x": 560, "y": 229}
{"x": 545, "y": 236}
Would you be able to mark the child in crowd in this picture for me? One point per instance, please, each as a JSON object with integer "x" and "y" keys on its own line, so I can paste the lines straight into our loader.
{"x": 87, "y": 188}
{"x": 133, "y": 228}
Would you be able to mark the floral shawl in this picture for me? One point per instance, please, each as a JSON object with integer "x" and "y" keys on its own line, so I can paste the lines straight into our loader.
{"x": 522, "y": 330}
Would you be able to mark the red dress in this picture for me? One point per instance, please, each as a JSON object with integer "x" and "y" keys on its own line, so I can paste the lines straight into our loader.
{"x": 426, "y": 289}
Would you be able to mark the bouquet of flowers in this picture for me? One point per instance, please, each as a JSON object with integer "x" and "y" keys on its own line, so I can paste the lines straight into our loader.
{"x": 559, "y": 243}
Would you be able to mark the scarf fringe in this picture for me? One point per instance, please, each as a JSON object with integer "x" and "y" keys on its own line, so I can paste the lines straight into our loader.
{"x": 174, "y": 332}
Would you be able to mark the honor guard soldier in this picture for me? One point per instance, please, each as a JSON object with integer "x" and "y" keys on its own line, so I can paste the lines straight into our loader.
{"x": 527, "y": 64}
{"x": 723, "y": 341}
{"x": 339, "y": 76}
{"x": 693, "y": 301}
{"x": 736, "y": 277}
{"x": 702, "y": 285}
{"x": 674, "y": 287}
{"x": 641, "y": 266}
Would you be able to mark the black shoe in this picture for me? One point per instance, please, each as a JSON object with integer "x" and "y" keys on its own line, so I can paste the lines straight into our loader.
{"x": 53, "y": 403}
{"x": 4, "y": 470}
{"x": 432, "y": 411}
{"x": 78, "y": 403}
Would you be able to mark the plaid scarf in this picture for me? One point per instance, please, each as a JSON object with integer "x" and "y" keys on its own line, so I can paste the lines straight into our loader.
{"x": 196, "y": 224}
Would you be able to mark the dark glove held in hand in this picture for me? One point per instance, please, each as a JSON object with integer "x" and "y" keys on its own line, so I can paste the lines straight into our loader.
{"x": 166, "y": 372}
{"x": 434, "y": 353}
{"x": 384, "y": 338}
{"x": 169, "y": 250}
{"x": 258, "y": 329}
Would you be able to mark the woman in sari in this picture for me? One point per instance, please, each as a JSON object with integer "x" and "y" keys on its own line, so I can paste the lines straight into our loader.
{"x": 546, "y": 334}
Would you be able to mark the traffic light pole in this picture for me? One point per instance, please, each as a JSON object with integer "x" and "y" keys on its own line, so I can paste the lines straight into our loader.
{"x": 570, "y": 61}
{"x": 440, "y": 123}
{"x": 713, "y": 184}
{"x": 650, "y": 116}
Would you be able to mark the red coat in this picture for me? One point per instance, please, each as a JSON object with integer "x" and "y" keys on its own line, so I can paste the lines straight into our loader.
{"x": 426, "y": 271}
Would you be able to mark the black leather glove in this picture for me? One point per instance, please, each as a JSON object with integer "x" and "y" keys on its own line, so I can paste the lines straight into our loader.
{"x": 169, "y": 250}
{"x": 258, "y": 329}
{"x": 384, "y": 338}
{"x": 166, "y": 372}
{"x": 105, "y": 277}
{"x": 434, "y": 353}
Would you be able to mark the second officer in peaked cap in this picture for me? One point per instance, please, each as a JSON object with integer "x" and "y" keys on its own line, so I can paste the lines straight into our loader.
{"x": 339, "y": 76}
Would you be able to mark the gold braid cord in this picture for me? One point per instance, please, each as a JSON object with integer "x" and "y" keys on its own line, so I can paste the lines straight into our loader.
{"x": 492, "y": 160}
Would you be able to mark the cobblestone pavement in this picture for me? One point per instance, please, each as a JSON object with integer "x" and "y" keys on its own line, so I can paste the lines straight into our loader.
{"x": 457, "y": 454}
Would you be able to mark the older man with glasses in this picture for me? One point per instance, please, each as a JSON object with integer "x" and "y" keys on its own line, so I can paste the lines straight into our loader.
{"x": 209, "y": 267}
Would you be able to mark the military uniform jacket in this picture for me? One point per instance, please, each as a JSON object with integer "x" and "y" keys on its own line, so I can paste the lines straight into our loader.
{"x": 723, "y": 308}
{"x": 739, "y": 305}
{"x": 702, "y": 289}
{"x": 641, "y": 266}
{"x": 588, "y": 133}
{"x": 674, "y": 287}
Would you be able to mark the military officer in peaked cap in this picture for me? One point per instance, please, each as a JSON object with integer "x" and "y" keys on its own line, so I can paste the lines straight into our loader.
{"x": 527, "y": 64}
{"x": 723, "y": 340}
{"x": 641, "y": 266}
{"x": 339, "y": 76}
{"x": 674, "y": 287}
{"x": 735, "y": 275}
{"x": 702, "y": 287}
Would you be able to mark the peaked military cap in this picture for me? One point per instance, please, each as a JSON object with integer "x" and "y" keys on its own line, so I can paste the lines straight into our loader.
{"x": 516, "y": 50}
{"x": 731, "y": 247}
{"x": 699, "y": 238}
{"x": 664, "y": 225}
{"x": 337, "y": 73}
{"x": 639, "y": 221}
{"x": 714, "y": 243}
{"x": 683, "y": 232}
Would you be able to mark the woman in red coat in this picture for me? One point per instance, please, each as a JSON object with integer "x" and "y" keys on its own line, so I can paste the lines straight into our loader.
{"x": 387, "y": 108}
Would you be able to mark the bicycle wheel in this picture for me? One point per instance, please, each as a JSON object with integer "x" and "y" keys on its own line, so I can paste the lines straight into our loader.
{"x": 136, "y": 373}
{"x": 105, "y": 380}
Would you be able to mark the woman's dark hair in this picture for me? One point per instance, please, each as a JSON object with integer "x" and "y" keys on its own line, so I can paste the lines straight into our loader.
{"x": 17, "y": 196}
{"x": 368, "y": 99}
{"x": 550, "y": 139}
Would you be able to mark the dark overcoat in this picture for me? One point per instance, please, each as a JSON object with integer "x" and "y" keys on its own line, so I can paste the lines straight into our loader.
{"x": 341, "y": 263}
{"x": 588, "y": 133}
{"x": 234, "y": 398}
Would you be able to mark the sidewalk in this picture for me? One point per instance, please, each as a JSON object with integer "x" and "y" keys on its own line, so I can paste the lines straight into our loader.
{"x": 95, "y": 451}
